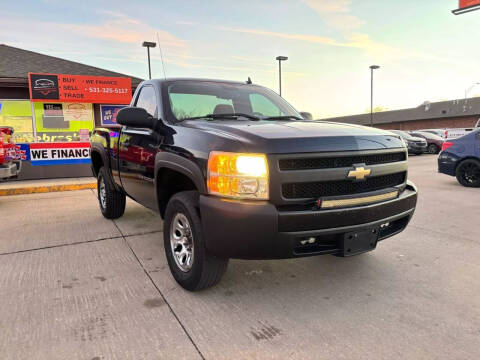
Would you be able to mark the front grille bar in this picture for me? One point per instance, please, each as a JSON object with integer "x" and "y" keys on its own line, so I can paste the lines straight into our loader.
{"x": 315, "y": 190}
{"x": 308, "y": 163}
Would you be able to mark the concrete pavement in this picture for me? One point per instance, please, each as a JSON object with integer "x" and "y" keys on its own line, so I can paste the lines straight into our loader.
{"x": 75, "y": 285}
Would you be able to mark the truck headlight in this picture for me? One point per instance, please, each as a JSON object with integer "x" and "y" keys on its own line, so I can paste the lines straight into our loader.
{"x": 238, "y": 175}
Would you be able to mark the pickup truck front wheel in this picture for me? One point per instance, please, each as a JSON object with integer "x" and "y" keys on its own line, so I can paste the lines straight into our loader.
{"x": 190, "y": 263}
{"x": 112, "y": 201}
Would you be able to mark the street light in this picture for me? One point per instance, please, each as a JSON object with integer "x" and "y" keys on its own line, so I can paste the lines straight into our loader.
{"x": 280, "y": 59}
{"x": 470, "y": 88}
{"x": 149, "y": 45}
{"x": 372, "y": 67}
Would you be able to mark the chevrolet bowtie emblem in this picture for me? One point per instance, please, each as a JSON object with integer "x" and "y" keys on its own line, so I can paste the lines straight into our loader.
{"x": 360, "y": 173}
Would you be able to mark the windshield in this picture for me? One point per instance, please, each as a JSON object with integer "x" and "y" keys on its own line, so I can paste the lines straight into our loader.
{"x": 403, "y": 134}
{"x": 194, "y": 99}
{"x": 428, "y": 135}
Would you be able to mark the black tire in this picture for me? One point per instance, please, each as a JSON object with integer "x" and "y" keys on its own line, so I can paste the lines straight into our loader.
{"x": 468, "y": 173}
{"x": 113, "y": 205}
{"x": 205, "y": 270}
{"x": 433, "y": 149}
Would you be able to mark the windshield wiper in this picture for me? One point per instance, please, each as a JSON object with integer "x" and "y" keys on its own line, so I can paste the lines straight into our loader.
{"x": 286, "y": 117}
{"x": 223, "y": 116}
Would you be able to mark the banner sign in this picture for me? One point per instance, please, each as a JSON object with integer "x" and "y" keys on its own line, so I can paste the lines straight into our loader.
{"x": 468, "y": 3}
{"x": 42, "y": 154}
{"x": 109, "y": 113}
{"x": 79, "y": 88}
{"x": 23, "y": 151}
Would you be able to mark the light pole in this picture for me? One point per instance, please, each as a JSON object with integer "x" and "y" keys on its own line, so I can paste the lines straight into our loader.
{"x": 280, "y": 59}
{"x": 470, "y": 88}
{"x": 149, "y": 45}
{"x": 372, "y": 67}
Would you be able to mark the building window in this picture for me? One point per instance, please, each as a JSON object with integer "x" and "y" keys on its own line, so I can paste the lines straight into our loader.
{"x": 63, "y": 122}
{"x": 18, "y": 115}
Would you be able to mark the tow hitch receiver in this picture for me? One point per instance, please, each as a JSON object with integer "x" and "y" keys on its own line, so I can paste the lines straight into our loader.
{"x": 359, "y": 242}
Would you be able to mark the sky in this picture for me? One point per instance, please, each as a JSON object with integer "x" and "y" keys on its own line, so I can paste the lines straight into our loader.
{"x": 425, "y": 53}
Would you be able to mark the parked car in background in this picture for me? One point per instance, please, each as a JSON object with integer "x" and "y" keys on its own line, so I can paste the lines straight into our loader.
{"x": 10, "y": 164}
{"x": 415, "y": 145}
{"x": 450, "y": 133}
{"x": 434, "y": 142}
{"x": 455, "y": 133}
{"x": 438, "y": 132}
{"x": 461, "y": 158}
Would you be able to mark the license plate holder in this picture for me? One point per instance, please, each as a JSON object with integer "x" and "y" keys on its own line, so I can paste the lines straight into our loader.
{"x": 358, "y": 242}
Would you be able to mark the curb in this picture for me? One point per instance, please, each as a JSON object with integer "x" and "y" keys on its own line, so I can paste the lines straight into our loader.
{"x": 46, "y": 189}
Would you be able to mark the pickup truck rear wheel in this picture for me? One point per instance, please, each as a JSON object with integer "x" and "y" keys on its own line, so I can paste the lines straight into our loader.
{"x": 112, "y": 201}
{"x": 468, "y": 173}
{"x": 190, "y": 263}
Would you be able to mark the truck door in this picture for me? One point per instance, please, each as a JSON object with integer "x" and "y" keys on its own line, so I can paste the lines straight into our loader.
{"x": 137, "y": 149}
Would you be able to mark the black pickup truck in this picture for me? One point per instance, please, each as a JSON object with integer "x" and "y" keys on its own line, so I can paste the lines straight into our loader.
{"x": 236, "y": 172}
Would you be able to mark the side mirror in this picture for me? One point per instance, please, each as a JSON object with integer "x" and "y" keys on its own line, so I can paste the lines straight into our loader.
{"x": 135, "y": 117}
{"x": 306, "y": 115}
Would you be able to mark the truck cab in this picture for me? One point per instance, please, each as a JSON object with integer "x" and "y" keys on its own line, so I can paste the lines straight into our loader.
{"x": 236, "y": 172}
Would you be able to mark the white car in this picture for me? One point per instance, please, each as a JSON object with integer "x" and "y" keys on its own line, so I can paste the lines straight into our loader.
{"x": 450, "y": 133}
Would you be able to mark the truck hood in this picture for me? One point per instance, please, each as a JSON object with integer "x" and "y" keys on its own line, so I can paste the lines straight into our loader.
{"x": 277, "y": 137}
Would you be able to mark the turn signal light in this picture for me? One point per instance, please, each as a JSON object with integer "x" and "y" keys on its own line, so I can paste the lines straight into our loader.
{"x": 446, "y": 145}
{"x": 238, "y": 175}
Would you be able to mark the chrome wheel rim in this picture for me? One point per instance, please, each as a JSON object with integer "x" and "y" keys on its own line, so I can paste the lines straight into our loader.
{"x": 102, "y": 193}
{"x": 181, "y": 242}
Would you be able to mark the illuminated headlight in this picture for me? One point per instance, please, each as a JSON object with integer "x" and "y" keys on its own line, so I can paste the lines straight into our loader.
{"x": 238, "y": 175}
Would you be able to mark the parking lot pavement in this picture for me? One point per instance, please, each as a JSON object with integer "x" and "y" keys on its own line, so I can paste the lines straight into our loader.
{"x": 416, "y": 296}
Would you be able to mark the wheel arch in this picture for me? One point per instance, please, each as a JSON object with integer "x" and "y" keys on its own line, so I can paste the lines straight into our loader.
{"x": 99, "y": 158}
{"x": 173, "y": 174}
{"x": 465, "y": 158}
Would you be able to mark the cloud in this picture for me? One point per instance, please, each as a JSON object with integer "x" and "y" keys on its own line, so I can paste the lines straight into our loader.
{"x": 124, "y": 29}
{"x": 335, "y": 13}
{"x": 355, "y": 40}
{"x": 286, "y": 36}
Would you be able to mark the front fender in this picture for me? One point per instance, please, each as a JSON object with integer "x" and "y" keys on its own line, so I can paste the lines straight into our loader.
{"x": 182, "y": 165}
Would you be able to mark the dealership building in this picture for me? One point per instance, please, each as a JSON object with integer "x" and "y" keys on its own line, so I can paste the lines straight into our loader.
{"x": 462, "y": 113}
{"x": 53, "y": 105}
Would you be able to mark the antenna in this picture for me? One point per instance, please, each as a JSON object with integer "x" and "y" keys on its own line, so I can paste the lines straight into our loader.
{"x": 161, "y": 57}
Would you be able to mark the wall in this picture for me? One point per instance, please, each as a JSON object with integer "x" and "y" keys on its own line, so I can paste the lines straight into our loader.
{"x": 457, "y": 122}
{"x": 14, "y": 93}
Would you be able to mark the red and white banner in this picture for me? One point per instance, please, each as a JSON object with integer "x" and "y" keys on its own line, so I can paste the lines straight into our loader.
{"x": 42, "y": 154}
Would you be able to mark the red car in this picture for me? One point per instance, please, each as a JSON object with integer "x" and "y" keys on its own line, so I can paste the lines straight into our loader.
{"x": 434, "y": 142}
{"x": 10, "y": 163}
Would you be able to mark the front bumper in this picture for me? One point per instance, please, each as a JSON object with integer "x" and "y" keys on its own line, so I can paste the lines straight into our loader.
{"x": 447, "y": 163}
{"x": 8, "y": 170}
{"x": 258, "y": 230}
{"x": 416, "y": 148}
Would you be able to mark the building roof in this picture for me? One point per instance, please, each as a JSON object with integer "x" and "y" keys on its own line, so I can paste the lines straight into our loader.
{"x": 15, "y": 64}
{"x": 434, "y": 110}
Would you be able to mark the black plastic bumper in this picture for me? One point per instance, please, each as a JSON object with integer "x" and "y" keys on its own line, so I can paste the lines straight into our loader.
{"x": 257, "y": 230}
